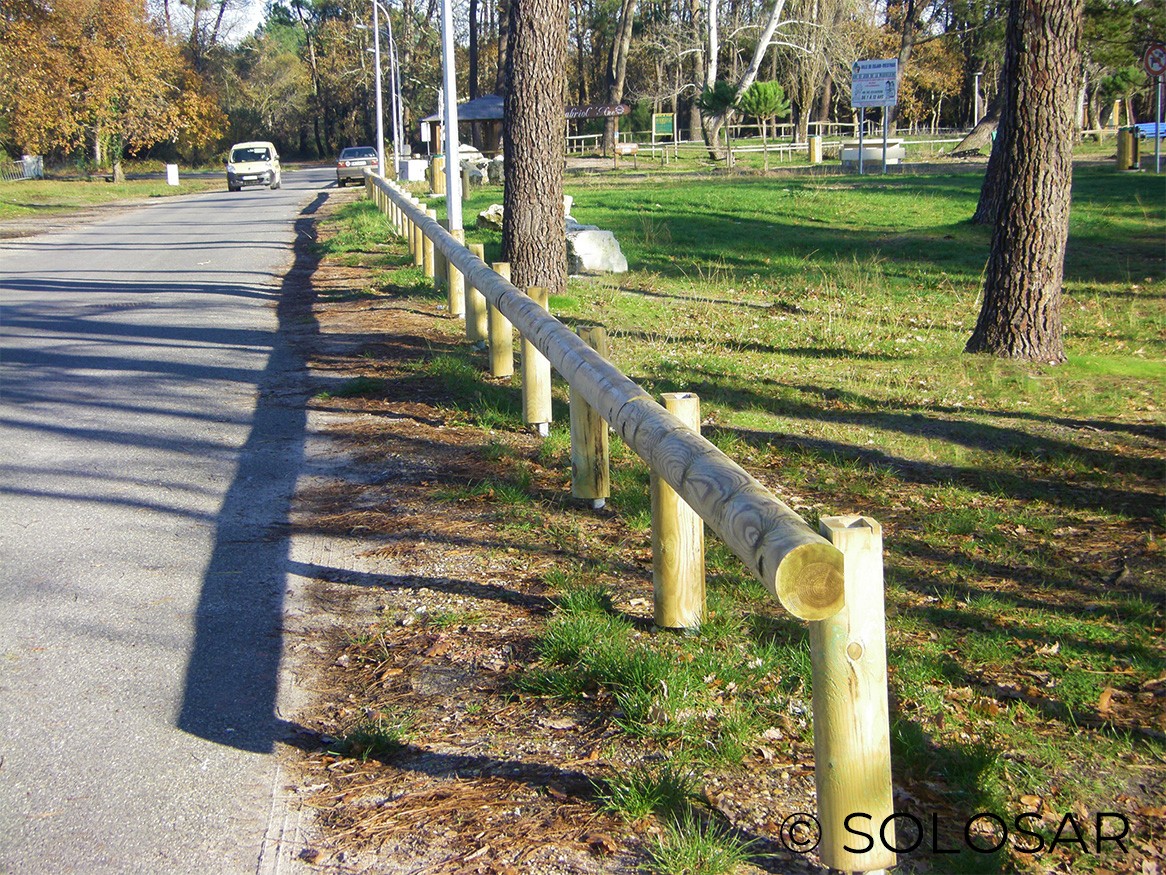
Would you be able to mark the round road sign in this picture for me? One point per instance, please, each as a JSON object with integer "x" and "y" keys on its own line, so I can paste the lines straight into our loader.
{"x": 1155, "y": 59}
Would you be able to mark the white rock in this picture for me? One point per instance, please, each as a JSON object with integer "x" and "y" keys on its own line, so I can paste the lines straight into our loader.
{"x": 491, "y": 217}
{"x": 590, "y": 249}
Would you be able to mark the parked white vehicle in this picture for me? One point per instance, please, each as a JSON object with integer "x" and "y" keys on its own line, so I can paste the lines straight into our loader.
{"x": 253, "y": 163}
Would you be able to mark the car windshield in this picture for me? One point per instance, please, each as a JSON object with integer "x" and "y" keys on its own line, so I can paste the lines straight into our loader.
{"x": 359, "y": 153}
{"x": 242, "y": 156}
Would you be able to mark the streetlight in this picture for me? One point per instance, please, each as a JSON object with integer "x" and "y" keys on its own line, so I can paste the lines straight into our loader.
{"x": 376, "y": 54}
{"x": 395, "y": 84}
{"x": 453, "y": 195}
{"x": 395, "y": 88}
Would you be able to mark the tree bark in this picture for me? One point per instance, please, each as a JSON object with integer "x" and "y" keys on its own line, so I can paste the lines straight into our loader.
{"x": 533, "y": 238}
{"x": 1021, "y": 313}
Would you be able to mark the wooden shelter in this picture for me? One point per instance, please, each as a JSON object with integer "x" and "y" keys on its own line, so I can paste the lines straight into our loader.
{"x": 483, "y": 116}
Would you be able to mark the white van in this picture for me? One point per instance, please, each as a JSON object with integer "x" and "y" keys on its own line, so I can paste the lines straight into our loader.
{"x": 253, "y": 163}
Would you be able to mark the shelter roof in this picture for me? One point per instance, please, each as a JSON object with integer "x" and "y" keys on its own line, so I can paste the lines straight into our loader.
{"x": 480, "y": 109}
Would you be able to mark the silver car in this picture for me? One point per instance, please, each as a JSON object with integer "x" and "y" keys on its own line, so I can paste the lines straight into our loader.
{"x": 352, "y": 162}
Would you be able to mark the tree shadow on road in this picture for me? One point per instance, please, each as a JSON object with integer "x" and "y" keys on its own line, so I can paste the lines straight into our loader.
{"x": 233, "y": 672}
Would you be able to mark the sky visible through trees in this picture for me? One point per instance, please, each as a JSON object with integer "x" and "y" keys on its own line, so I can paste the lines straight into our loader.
{"x": 299, "y": 72}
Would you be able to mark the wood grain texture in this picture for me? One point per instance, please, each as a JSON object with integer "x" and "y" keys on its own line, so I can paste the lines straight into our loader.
{"x": 427, "y": 246}
{"x": 590, "y": 452}
{"x": 499, "y": 329}
{"x": 476, "y": 329}
{"x": 455, "y": 283}
{"x": 678, "y": 581}
{"x": 536, "y": 373}
{"x": 852, "y": 741}
{"x": 798, "y": 566}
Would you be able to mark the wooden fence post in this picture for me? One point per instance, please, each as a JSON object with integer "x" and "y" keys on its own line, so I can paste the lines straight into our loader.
{"x": 440, "y": 268}
{"x": 476, "y": 331}
{"x": 536, "y": 377}
{"x": 590, "y": 458}
{"x": 427, "y": 261}
{"x": 797, "y": 565}
{"x": 455, "y": 282}
{"x": 852, "y": 736}
{"x": 677, "y": 539}
{"x": 500, "y": 332}
{"x": 418, "y": 239}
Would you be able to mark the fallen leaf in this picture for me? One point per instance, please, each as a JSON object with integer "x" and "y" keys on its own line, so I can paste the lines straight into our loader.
{"x": 559, "y": 723}
{"x": 601, "y": 843}
{"x": 1103, "y": 701}
{"x": 478, "y": 853}
{"x": 1032, "y": 803}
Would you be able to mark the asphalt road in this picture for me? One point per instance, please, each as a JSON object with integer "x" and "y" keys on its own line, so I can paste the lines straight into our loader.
{"x": 151, "y": 431}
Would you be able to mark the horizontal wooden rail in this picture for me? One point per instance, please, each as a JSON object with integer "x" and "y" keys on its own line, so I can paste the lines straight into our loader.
{"x": 798, "y": 566}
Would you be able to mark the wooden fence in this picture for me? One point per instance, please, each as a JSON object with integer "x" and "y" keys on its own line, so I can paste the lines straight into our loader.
{"x": 833, "y": 579}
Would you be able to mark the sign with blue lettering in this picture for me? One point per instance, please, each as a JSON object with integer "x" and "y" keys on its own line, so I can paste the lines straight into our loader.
{"x": 874, "y": 83}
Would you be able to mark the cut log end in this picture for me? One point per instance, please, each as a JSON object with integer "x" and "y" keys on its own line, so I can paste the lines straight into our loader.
{"x": 809, "y": 581}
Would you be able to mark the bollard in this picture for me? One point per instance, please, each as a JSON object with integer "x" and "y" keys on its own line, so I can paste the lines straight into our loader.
{"x": 476, "y": 331}
{"x": 500, "y": 332}
{"x": 677, "y": 539}
{"x": 437, "y": 174}
{"x": 455, "y": 282}
{"x": 852, "y": 735}
{"x": 590, "y": 456}
{"x": 536, "y": 377}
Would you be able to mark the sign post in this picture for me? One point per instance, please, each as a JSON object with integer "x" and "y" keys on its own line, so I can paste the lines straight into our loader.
{"x": 664, "y": 127}
{"x": 873, "y": 83}
{"x": 1154, "y": 62}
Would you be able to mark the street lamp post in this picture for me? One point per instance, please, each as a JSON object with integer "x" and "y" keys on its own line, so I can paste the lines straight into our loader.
{"x": 376, "y": 54}
{"x": 394, "y": 87}
{"x": 453, "y": 196}
{"x": 395, "y": 82}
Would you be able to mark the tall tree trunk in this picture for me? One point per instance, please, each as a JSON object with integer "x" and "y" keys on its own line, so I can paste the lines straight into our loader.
{"x": 906, "y": 47}
{"x": 695, "y": 122}
{"x": 825, "y": 99}
{"x": 500, "y": 83}
{"x": 981, "y": 135}
{"x": 584, "y": 92}
{"x": 533, "y": 237}
{"x": 713, "y": 124}
{"x": 992, "y": 189}
{"x": 618, "y": 68}
{"x": 472, "y": 71}
{"x": 1021, "y": 313}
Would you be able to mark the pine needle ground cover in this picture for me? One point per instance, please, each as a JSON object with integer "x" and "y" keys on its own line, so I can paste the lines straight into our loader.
{"x": 821, "y": 321}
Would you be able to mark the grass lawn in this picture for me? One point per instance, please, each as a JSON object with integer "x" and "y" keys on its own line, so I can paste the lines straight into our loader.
{"x": 821, "y": 320}
{"x": 33, "y": 197}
